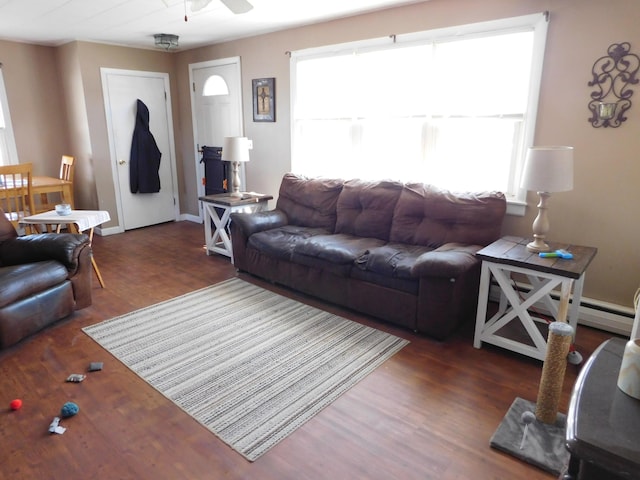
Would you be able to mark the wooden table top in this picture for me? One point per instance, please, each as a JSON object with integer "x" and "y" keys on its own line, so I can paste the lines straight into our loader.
{"x": 228, "y": 201}
{"x": 513, "y": 251}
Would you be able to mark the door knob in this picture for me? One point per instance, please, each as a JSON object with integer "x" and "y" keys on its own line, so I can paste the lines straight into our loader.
{"x": 122, "y": 162}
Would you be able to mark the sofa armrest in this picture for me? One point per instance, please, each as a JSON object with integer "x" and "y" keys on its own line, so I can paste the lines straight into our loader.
{"x": 243, "y": 225}
{"x": 448, "y": 261}
{"x": 63, "y": 247}
{"x": 250, "y": 223}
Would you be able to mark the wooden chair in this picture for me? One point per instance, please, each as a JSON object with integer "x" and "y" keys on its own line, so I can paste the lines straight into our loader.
{"x": 66, "y": 173}
{"x": 16, "y": 198}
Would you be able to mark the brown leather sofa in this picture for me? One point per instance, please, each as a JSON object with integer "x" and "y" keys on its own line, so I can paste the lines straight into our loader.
{"x": 43, "y": 278}
{"x": 404, "y": 253}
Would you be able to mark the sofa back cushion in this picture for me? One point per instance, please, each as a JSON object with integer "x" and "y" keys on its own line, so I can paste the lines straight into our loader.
{"x": 425, "y": 215}
{"x": 309, "y": 202}
{"x": 365, "y": 209}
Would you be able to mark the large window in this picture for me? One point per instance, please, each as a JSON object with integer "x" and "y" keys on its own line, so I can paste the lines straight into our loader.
{"x": 8, "y": 153}
{"x": 453, "y": 107}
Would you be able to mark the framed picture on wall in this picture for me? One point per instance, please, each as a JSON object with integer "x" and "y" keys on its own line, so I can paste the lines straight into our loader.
{"x": 264, "y": 99}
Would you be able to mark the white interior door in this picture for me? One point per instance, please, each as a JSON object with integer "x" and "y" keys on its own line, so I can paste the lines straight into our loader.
{"x": 121, "y": 90}
{"x": 216, "y": 103}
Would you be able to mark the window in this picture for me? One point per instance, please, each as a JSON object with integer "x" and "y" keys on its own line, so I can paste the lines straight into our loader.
{"x": 215, "y": 85}
{"x": 8, "y": 152}
{"x": 453, "y": 107}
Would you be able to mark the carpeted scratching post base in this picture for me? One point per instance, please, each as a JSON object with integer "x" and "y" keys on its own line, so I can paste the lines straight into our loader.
{"x": 544, "y": 445}
{"x": 540, "y": 439}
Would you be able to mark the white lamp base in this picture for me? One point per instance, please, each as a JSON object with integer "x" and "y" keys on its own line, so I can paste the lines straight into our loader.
{"x": 540, "y": 226}
{"x": 538, "y": 245}
{"x": 235, "y": 180}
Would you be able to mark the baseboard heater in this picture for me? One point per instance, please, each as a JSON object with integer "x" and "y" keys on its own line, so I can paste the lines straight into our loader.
{"x": 593, "y": 313}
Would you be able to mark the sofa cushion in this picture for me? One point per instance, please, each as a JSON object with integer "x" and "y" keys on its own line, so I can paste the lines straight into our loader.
{"x": 425, "y": 215}
{"x": 392, "y": 260}
{"x": 309, "y": 202}
{"x": 280, "y": 242}
{"x": 365, "y": 209}
{"x": 21, "y": 281}
{"x": 407, "y": 285}
{"x": 337, "y": 248}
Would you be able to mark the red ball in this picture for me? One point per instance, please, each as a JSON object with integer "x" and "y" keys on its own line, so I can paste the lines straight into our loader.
{"x": 15, "y": 404}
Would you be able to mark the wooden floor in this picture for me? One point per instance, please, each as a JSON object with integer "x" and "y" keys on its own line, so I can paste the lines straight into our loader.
{"x": 427, "y": 413}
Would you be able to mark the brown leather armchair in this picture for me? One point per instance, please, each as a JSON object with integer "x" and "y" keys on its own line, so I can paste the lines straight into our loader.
{"x": 43, "y": 278}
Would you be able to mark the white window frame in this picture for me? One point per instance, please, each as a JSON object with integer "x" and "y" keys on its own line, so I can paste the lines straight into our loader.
{"x": 538, "y": 23}
{"x": 9, "y": 152}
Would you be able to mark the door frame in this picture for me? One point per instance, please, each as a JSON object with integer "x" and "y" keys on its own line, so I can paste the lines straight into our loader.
{"x": 104, "y": 72}
{"x": 235, "y": 61}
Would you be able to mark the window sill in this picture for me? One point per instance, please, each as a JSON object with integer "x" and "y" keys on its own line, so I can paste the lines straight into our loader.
{"x": 516, "y": 207}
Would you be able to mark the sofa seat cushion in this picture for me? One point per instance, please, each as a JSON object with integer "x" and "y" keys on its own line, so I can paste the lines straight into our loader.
{"x": 21, "y": 281}
{"x": 406, "y": 285}
{"x": 280, "y": 242}
{"x": 338, "y": 248}
{"x": 394, "y": 260}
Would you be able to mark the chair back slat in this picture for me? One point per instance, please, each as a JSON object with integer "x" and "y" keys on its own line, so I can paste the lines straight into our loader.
{"x": 66, "y": 168}
{"x": 16, "y": 197}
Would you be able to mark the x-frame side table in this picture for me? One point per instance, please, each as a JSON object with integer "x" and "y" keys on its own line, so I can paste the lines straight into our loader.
{"x": 217, "y": 239}
{"x": 509, "y": 255}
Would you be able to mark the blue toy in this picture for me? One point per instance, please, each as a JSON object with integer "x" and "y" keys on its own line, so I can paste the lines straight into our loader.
{"x": 557, "y": 254}
{"x": 69, "y": 409}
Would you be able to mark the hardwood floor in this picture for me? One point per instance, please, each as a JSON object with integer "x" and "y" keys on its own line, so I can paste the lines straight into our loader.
{"x": 427, "y": 413}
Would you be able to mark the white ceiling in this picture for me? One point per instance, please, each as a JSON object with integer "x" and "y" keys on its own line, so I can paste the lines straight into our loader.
{"x": 133, "y": 22}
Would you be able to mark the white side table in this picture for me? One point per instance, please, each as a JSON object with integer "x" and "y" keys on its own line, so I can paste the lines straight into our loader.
{"x": 510, "y": 255}
{"x": 78, "y": 220}
{"x": 217, "y": 209}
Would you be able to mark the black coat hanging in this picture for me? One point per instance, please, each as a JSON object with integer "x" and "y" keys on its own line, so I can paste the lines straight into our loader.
{"x": 144, "y": 162}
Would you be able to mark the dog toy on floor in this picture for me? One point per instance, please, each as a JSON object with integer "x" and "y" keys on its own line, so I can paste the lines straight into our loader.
{"x": 69, "y": 409}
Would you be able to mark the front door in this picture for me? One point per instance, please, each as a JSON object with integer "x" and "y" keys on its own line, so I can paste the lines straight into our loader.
{"x": 122, "y": 89}
{"x": 216, "y": 102}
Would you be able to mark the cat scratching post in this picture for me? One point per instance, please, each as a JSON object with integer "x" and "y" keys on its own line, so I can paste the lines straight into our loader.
{"x": 555, "y": 363}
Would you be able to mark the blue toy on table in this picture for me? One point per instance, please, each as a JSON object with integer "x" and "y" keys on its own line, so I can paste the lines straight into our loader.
{"x": 557, "y": 254}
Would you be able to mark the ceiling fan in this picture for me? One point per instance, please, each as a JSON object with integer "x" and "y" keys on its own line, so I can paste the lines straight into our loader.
{"x": 236, "y": 6}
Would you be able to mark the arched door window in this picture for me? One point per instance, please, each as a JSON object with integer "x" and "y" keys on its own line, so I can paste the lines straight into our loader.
{"x": 215, "y": 85}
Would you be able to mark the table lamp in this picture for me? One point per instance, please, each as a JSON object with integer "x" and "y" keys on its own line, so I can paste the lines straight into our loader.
{"x": 235, "y": 150}
{"x": 546, "y": 170}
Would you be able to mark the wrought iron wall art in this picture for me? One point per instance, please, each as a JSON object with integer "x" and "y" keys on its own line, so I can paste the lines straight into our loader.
{"x": 613, "y": 75}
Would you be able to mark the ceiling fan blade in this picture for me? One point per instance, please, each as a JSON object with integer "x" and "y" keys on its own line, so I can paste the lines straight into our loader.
{"x": 199, "y": 4}
{"x": 238, "y": 6}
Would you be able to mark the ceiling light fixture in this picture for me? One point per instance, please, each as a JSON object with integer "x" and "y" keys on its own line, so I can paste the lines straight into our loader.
{"x": 166, "y": 40}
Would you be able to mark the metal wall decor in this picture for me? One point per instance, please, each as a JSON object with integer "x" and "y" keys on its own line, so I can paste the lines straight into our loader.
{"x": 613, "y": 75}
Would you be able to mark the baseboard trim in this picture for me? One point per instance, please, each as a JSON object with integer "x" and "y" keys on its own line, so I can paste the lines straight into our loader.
{"x": 190, "y": 218}
{"x": 593, "y": 313}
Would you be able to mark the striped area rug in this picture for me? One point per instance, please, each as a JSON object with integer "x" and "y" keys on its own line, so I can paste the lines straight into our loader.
{"x": 250, "y": 365}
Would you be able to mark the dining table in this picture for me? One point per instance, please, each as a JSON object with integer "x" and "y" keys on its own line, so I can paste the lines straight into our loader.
{"x": 42, "y": 184}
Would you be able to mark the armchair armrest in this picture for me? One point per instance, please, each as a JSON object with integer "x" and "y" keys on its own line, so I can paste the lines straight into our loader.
{"x": 63, "y": 247}
{"x": 448, "y": 261}
{"x": 250, "y": 223}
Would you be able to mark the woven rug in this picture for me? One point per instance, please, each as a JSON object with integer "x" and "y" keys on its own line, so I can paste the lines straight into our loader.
{"x": 250, "y": 365}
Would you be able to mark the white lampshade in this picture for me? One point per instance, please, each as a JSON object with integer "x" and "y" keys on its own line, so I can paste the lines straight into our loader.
{"x": 235, "y": 149}
{"x": 548, "y": 169}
